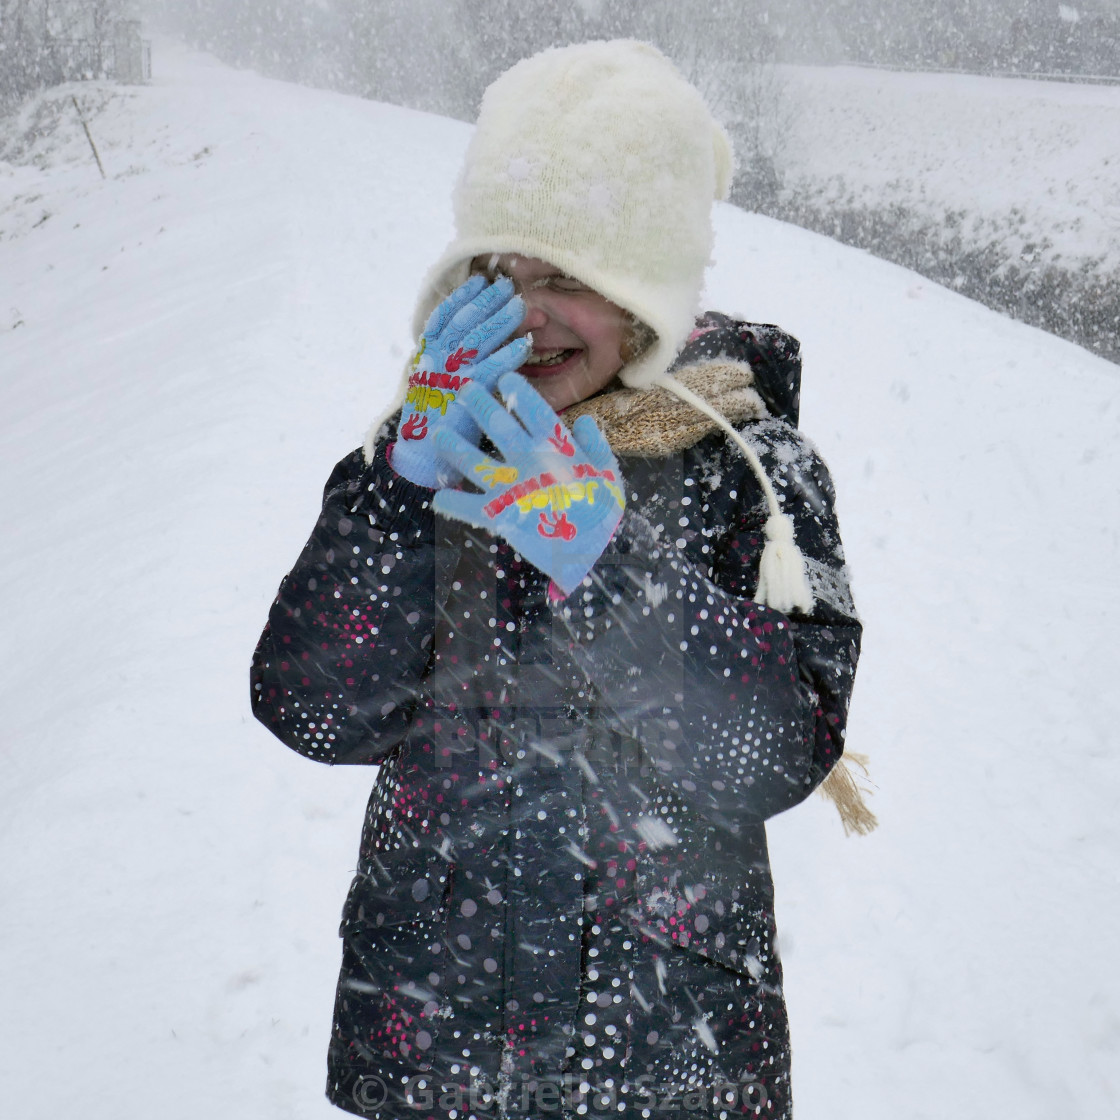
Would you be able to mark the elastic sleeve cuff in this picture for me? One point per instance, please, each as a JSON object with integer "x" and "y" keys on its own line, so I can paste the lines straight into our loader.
{"x": 393, "y": 503}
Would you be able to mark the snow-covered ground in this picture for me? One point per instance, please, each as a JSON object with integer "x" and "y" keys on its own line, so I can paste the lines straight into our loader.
{"x": 1036, "y": 164}
{"x": 188, "y": 346}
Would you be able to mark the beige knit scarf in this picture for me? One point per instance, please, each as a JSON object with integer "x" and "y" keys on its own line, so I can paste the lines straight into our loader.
{"x": 657, "y": 423}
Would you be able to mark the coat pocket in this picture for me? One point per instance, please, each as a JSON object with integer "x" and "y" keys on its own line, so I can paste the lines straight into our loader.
{"x": 395, "y": 890}
{"x": 388, "y": 1009}
{"x": 725, "y": 918}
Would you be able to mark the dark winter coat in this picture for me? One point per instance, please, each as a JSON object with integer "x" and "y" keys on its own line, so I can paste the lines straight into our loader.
{"x": 563, "y": 876}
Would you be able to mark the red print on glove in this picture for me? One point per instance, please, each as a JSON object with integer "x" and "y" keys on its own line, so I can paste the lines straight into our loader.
{"x": 560, "y": 441}
{"x": 454, "y": 361}
{"x": 415, "y": 427}
{"x": 557, "y": 525}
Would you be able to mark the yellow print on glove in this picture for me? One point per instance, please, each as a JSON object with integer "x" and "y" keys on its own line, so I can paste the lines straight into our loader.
{"x": 545, "y": 492}
{"x": 424, "y": 397}
{"x": 496, "y": 474}
{"x": 586, "y": 470}
{"x": 558, "y": 497}
{"x": 615, "y": 492}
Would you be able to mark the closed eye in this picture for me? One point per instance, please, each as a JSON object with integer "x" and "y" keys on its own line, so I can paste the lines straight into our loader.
{"x": 559, "y": 282}
{"x": 567, "y": 284}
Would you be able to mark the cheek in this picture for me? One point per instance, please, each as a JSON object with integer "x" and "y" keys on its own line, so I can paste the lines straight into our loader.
{"x": 604, "y": 333}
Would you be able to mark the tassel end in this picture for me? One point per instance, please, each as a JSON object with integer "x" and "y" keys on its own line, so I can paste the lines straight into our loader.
{"x": 782, "y": 582}
{"x": 844, "y": 792}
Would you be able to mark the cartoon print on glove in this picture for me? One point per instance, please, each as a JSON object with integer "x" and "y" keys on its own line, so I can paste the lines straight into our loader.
{"x": 454, "y": 361}
{"x": 557, "y": 525}
{"x": 415, "y": 427}
{"x": 495, "y": 474}
{"x": 544, "y": 491}
{"x": 423, "y": 397}
{"x": 559, "y": 439}
{"x": 567, "y": 501}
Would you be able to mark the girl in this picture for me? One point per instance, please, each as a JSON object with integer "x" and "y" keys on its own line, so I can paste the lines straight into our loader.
{"x": 582, "y": 599}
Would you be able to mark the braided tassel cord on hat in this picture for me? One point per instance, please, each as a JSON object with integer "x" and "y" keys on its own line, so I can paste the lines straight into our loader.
{"x": 783, "y": 585}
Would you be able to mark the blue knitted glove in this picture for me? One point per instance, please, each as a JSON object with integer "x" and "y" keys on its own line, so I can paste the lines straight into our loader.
{"x": 556, "y": 496}
{"x": 459, "y": 345}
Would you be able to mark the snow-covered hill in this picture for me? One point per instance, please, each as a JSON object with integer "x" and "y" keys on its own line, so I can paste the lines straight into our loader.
{"x": 1006, "y": 190}
{"x": 1032, "y": 161}
{"x": 187, "y": 346}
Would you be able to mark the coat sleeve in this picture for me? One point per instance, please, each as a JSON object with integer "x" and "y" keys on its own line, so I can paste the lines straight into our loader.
{"x": 740, "y": 708}
{"x": 337, "y": 670}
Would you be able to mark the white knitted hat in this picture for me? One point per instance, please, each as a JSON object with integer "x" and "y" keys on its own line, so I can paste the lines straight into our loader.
{"x": 602, "y": 160}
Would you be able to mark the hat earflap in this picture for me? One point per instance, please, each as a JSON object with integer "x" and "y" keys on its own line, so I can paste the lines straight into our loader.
{"x": 724, "y": 161}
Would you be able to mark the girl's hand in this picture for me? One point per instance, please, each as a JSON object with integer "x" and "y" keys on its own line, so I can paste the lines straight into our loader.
{"x": 460, "y": 344}
{"x": 557, "y": 496}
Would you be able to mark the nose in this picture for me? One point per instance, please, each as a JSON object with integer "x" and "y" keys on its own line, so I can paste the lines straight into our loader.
{"x": 535, "y": 315}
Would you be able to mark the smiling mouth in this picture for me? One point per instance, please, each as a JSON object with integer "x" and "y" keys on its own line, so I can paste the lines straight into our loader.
{"x": 543, "y": 360}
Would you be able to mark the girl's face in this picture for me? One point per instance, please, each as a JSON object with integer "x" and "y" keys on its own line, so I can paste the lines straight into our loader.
{"x": 578, "y": 335}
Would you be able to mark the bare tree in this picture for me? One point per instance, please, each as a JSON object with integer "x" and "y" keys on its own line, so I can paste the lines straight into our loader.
{"x": 726, "y": 48}
{"x": 43, "y": 42}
